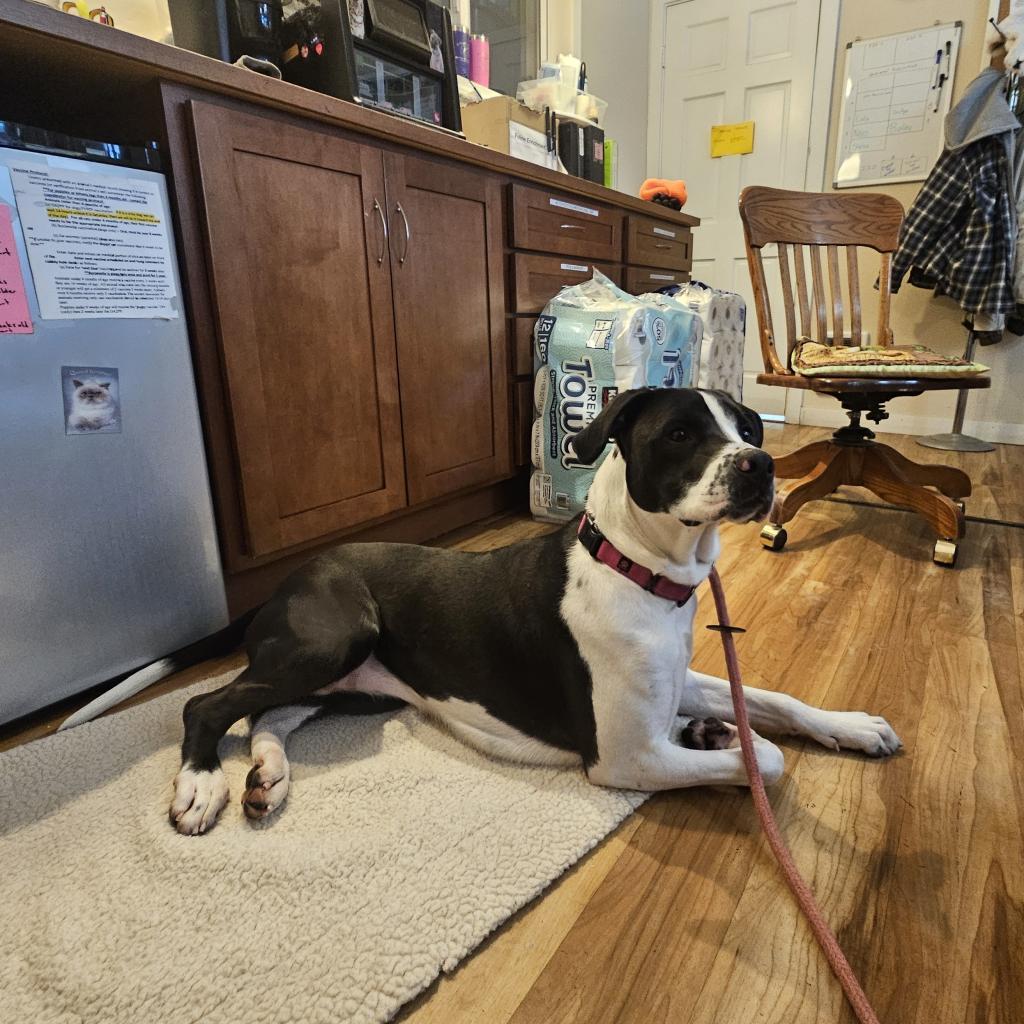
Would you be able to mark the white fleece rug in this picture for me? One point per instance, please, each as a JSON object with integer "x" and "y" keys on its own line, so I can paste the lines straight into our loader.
{"x": 398, "y": 851}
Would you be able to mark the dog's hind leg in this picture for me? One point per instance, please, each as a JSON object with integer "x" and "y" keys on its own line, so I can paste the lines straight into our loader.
{"x": 269, "y": 779}
{"x": 266, "y": 785}
{"x": 297, "y": 645}
{"x": 200, "y": 789}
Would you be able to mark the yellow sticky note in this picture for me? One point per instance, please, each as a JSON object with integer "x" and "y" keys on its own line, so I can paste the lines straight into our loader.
{"x": 732, "y": 139}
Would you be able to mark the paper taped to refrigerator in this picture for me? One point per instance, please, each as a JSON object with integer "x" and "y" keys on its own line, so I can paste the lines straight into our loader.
{"x": 14, "y": 312}
{"x": 97, "y": 243}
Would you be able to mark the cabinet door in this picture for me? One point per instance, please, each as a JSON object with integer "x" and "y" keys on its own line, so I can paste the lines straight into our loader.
{"x": 302, "y": 288}
{"x": 449, "y": 297}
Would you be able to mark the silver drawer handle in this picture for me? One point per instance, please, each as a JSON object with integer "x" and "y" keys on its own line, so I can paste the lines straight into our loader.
{"x": 662, "y": 245}
{"x": 408, "y": 233}
{"x": 572, "y": 227}
{"x": 384, "y": 232}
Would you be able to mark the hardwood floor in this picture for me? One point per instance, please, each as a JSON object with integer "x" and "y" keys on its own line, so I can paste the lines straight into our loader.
{"x": 682, "y": 915}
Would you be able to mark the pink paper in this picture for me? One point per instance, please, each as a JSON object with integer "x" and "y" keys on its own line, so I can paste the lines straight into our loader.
{"x": 14, "y": 315}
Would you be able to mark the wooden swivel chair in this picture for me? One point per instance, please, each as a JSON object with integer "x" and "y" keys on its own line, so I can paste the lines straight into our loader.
{"x": 806, "y": 226}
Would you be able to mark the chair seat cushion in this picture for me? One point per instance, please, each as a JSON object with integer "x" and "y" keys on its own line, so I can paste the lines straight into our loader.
{"x": 812, "y": 359}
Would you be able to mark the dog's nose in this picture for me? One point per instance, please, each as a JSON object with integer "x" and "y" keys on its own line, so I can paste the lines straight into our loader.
{"x": 755, "y": 461}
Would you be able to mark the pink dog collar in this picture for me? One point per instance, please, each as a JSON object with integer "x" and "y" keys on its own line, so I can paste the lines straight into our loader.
{"x": 604, "y": 551}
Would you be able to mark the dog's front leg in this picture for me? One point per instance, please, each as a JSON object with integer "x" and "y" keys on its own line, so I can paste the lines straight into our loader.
{"x": 782, "y": 714}
{"x": 665, "y": 765}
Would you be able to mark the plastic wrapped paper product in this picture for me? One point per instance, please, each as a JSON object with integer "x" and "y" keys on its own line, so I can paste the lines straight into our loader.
{"x": 724, "y": 315}
{"x": 592, "y": 341}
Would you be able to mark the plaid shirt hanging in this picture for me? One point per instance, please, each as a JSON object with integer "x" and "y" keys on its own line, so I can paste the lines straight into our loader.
{"x": 960, "y": 230}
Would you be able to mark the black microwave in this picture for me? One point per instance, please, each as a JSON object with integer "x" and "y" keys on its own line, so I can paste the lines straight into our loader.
{"x": 393, "y": 55}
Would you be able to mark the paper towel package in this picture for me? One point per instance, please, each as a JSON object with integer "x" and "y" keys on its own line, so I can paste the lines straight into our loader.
{"x": 592, "y": 341}
{"x": 724, "y": 315}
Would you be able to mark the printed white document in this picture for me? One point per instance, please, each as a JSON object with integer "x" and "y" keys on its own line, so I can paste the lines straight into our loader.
{"x": 97, "y": 243}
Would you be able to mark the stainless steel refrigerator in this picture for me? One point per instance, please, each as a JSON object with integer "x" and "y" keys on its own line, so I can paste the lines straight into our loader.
{"x": 108, "y": 553}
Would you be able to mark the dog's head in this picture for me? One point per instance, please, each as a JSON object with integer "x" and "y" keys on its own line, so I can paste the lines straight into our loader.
{"x": 692, "y": 454}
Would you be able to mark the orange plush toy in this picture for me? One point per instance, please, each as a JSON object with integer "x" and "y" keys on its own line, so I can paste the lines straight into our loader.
{"x": 668, "y": 193}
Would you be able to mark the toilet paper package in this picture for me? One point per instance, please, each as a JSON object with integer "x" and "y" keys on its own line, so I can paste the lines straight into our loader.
{"x": 592, "y": 341}
{"x": 724, "y": 316}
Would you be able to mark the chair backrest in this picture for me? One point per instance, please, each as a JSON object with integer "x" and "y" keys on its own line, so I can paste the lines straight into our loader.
{"x": 805, "y": 226}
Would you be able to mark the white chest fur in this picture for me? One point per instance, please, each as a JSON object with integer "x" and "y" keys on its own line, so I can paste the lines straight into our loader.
{"x": 637, "y": 648}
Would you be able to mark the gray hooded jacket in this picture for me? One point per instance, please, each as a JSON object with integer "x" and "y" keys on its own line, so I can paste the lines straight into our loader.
{"x": 961, "y": 230}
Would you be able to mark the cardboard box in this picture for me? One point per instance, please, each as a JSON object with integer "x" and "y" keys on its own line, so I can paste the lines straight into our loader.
{"x": 503, "y": 124}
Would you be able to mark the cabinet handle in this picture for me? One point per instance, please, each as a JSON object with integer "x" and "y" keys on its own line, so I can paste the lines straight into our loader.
{"x": 408, "y": 233}
{"x": 662, "y": 245}
{"x": 572, "y": 227}
{"x": 383, "y": 232}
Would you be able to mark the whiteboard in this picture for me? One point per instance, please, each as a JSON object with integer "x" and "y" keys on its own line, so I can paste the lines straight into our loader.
{"x": 890, "y": 122}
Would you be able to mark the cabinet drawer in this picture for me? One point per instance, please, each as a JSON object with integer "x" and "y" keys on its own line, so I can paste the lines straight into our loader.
{"x": 647, "y": 279}
{"x": 655, "y": 243}
{"x": 566, "y": 225}
{"x": 537, "y": 279}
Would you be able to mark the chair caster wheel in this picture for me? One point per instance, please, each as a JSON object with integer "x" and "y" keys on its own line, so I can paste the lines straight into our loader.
{"x": 945, "y": 553}
{"x": 773, "y": 537}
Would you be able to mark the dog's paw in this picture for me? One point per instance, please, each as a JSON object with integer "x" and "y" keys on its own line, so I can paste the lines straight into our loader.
{"x": 714, "y": 734}
{"x": 708, "y": 734}
{"x": 266, "y": 787}
{"x": 199, "y": 797}
{"x": 854, "y": 730}
{"x": 770, "y": 760}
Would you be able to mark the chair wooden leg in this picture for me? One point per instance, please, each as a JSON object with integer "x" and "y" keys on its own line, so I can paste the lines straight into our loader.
{"x": 952, "y": 482}
{"x": 803, "y": 460}
{"x": 820, "y": 482}
{"x": 943, "y": 514}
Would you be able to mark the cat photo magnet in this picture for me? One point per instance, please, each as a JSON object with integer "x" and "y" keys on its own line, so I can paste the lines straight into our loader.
{"x": 92, "y": 400}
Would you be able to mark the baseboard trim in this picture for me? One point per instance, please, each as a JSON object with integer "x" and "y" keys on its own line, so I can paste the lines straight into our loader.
{"x": 247, "y": 589}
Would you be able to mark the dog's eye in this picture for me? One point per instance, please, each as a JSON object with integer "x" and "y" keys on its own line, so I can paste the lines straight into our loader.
{"x": 747, "y": 434}
{"x": 677, "y": 435}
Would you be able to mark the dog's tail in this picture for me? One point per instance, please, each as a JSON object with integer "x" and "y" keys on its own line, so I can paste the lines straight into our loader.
{"x": 216, "y": 645}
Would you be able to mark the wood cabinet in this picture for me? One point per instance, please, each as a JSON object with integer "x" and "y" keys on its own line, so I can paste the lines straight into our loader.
{"x": 449, "y": 301}
{"x": 302, "y": 291}
{"x": 353, "y": 390}
{"x": 354, "y": 381}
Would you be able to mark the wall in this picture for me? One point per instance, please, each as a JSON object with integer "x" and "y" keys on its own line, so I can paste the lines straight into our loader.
{"x": 615, "y": 42}
{"x": 560, "y": 27}
{"x": 145, "y": 17}
{"x": 998, "y": 414}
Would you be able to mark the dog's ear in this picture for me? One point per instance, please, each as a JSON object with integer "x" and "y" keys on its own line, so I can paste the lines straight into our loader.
{"x": 746, "y": 415}
{"x": 609, "y": 422}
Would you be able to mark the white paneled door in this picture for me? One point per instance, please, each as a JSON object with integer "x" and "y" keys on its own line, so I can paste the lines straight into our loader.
{"x": 724, "y": 61}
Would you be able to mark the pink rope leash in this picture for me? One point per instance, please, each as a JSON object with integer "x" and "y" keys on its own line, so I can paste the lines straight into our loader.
{"x": 826, "y": 939}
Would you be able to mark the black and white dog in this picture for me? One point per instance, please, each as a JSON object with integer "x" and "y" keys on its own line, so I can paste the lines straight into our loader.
{"x": 570, "y": 649}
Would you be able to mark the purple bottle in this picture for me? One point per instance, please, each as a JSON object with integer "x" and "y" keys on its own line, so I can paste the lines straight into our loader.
{"x": 460, "y": 37}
